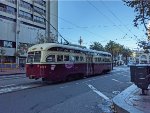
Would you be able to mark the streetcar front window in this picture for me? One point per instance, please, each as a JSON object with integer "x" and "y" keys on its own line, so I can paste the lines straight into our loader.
{"x": 30, "y": 57}
{"x": 34, "y": 57}
{"x": 37, "y": 56}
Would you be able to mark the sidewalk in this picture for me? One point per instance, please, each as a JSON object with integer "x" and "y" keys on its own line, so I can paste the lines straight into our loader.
{"x": 131, "y": 101}
{"x": 12, "y": 72}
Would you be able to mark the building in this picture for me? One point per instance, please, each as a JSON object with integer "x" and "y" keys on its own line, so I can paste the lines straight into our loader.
{"x": 22, "y": 21}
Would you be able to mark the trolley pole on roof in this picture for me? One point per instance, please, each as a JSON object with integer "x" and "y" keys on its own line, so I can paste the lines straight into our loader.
{"x": 80, "y": 41}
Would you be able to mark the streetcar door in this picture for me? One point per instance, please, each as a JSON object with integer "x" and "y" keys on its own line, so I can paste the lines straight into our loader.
{"x": 89, "y": 60}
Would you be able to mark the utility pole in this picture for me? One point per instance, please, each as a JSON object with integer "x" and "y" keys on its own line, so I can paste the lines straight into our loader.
{"x": 80, "y": 41}
{"x": 17, "y": 31}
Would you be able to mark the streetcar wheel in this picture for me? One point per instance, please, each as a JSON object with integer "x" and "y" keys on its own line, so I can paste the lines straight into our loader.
{"x": 44, "y": 79}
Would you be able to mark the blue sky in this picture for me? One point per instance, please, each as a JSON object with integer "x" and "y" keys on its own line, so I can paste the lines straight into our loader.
{"x": 99, "y": 21}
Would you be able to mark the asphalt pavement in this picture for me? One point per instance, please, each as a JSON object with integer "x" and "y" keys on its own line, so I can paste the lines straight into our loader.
{"x": 88, "y": 95}
{"x": 128, "y": 101}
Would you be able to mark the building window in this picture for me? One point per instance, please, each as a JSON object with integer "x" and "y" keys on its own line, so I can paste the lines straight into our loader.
{"x": 8, "y": 44}
{"x": 7, "y": 9}
{"x": 1, "y": 43}
{"x": 40, "y": 2}
{"x": 39, "y": 10}
{"x": 25, "y": 15}
{"x": 25, "y": 5}
{"x": 39, "y": 19}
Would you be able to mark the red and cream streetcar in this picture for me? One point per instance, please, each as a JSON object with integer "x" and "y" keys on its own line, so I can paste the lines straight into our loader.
{"x": 58, "y": 62}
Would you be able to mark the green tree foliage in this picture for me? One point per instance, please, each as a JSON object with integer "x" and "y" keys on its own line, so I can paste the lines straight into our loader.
{"x": 2, "y": 53}
{"x": 40, "y": 38}
{"x": 142, "y": 9}
{"x": 126, "y": 52}
{"x": 115, "y": 49}
{"x": 97, "y": 46}
{"x": 112, "y": 47}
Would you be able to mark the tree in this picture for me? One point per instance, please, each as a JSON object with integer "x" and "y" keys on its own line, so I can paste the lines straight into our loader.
{"x": 97, "y": 46}
{"x": 41, "y": 39}
{"x": 112, "y": 47}
{"x": 115, "y": 49}
{"x": 126, "y": 53}
{"x": 44, "y": 39}
{"x": 2, "y": 53}
{"x": 142, "y": 9}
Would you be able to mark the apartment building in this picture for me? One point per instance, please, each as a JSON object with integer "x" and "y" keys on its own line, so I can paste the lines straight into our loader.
{"x": 22, "y": 21}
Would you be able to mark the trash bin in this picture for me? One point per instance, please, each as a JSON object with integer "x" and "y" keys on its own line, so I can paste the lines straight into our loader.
{"x": 133, "y": 72}
{"x": 140, "y": 75}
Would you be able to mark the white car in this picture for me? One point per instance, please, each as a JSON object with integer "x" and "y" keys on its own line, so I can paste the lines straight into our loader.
{"x": 130, "y": 64}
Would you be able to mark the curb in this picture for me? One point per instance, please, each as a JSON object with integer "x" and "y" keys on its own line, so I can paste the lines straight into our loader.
{"x": 121, "y": 102}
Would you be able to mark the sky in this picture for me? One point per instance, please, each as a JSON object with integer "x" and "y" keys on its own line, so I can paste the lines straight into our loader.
{"x": 98, "y": 21}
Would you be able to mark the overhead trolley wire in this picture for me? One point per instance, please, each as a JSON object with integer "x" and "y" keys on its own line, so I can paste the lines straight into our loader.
{"x": 118, "y": 19}
{"x": 67, "y": 42}
{"x": 79, "y": 26}
{"x": 105, "y": 16}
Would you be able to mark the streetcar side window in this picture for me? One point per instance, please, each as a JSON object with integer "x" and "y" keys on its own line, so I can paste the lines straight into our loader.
{"x": 59, "y": 58}
{"x": 66, "y": 57}
{"x": 81, "y": 58}
{"x": 76, "y": 58}
{"x": 50, "y": 58}
{"x": 71, "y": 58}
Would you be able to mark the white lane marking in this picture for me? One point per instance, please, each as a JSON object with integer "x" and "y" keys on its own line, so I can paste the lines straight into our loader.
{"x": 125, "y": 75}
{"x": 6, "y": 90}
{"x": 63, "y": 87}
{"x": 98, "y": 92}
{"x": 17, "y": 88}
{"x": 117, "y": 80}
{"x": 94, "y": 79}
{"x": 7, "y": 85}
{"x": 116, "y": 92}
{"x": 129, "y": 82}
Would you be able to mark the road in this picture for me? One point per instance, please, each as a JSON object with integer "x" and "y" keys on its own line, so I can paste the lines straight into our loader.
{"x": 89, "y": 95}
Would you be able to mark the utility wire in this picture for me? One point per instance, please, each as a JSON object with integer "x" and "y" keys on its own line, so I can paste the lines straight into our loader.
{"x": 67, "y": 42}
{"x": 118, "y": 19}
{"x": 77, "y": 26}
{"x": 104, "y": 15}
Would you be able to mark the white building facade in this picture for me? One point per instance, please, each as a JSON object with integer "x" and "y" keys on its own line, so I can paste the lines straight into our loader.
{"x": 21, "y": 21}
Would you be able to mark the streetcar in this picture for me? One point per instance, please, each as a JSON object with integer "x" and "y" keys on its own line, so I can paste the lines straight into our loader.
{"x": 59, "y": 62}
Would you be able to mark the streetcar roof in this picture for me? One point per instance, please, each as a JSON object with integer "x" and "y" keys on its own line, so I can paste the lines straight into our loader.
{"x": 46, "y": 46}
